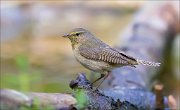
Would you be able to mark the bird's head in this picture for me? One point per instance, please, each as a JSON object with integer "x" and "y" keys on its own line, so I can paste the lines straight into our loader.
{"x": 77, "y": 35}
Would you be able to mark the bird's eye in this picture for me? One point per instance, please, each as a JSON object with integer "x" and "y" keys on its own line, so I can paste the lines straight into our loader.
{"x": 77, "y": 34}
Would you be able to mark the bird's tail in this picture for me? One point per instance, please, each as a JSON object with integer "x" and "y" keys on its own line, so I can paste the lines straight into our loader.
{"x": 148, "y": 63}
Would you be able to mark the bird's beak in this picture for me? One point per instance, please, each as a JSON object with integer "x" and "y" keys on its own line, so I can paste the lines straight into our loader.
{"x": 66, "y": 36}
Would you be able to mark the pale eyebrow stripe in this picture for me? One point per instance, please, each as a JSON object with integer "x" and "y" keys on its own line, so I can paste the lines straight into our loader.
{"x": 72, "y": 33}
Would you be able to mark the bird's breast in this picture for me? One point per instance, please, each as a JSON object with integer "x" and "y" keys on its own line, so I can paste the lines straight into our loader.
{"x": 96, "y": 66}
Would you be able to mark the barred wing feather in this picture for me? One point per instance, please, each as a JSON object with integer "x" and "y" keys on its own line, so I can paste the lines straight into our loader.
{"x": 108, "y": 55}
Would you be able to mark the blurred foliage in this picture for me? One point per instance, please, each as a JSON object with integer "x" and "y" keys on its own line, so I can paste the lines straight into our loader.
{"x": 24, "y": 75}
{"x": 81, "y": 99}
{"x": 23, "y": 79}
{"x": 22, "y": 63}
{"x": 28, "y": 79}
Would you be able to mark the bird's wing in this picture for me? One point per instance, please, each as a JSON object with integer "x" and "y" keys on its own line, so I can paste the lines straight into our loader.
{"x": 107, "y": 54}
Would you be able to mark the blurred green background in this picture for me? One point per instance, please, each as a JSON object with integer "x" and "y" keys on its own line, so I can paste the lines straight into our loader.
{"x": 34, "y": 56}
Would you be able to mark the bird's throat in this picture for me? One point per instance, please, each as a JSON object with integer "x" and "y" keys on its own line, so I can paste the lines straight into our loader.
{"x": 74, "y": 45}
{"x": 73, "y": 42}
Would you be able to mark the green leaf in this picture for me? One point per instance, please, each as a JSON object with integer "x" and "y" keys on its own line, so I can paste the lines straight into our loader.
{"x": 81, "y": 98}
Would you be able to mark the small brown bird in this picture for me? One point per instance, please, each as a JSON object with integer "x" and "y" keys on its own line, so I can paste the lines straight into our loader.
{"x": 97, "y": 56}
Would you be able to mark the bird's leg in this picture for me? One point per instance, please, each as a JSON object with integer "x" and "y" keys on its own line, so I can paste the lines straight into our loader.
{"x": 103, "y": 80}
{"x": 102, "y": 75}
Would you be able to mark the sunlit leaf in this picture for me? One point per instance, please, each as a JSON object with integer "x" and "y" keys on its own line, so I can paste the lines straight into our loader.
{"x": 81, "y": 98}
